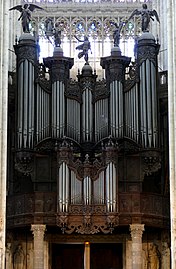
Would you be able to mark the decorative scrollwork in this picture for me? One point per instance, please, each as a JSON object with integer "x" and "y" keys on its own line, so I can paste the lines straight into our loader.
{"x": 86, "y": 224}
{"x": 151, "y": 161}
{"x": 24, "y": 163}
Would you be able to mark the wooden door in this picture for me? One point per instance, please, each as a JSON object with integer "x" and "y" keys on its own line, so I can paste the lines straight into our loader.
{"x": 106, "y": 256}
{"x": 68, "y": 256}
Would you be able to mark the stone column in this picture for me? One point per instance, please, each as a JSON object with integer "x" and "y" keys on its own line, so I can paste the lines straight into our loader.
{"x": 87, "y": 255}
{"x": 4, "y": 55}
{"x": 136, "y": 247}
{"x": 38, "y": 231}
{"x": 171, "y": 37}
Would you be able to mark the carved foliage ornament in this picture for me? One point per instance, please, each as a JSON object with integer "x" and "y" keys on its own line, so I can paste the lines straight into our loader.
{"x": 149, "y": 53}
{"x": 151, "y": 162}
{"x": 72, "y": 91}
{"x": 27, "y": 53}
{"x": 24, "y": 163}
{"x": 86, "y": 224}
{"x": 87, "y": 167}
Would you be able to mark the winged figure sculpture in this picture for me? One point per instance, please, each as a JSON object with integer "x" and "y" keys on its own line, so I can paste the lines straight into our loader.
{"x": 25, "y": 16}
{"x": 146, "y": 16}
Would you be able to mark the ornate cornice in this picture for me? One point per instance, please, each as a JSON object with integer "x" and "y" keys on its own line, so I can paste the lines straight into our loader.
{"x": 26, "y": 52}
{"x": 59, "y": 68}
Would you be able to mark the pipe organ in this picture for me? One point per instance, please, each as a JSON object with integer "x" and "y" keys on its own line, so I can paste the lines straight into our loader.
{"x": 92, "y": 133}
{"x": 26, "y": 61}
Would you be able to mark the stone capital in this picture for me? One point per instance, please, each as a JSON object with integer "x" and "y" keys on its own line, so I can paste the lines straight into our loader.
{"x": 38, "y": 230}
{"x": 136, "y": 231}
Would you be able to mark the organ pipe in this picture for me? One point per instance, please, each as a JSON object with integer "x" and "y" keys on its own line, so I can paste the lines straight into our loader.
{"x": 26, "y": 51}
{"x": 147, "y": 50}
{"x": 76, "y": 189}
{"x": 63, "y": 188}
{"x": 87, "y": 185}
{"x": 131, "y": 114}
{"x": 99, "y": 189}
{"x": 58, "y": 109}
{"x": 73, "y": 119}
{"x": 101, "y": 119}
{"x": 87, "y": 119}
{"x": 116, "y": 109}
{"x": 111, "y": 188}
{"x": 42, "y": 114}
{"x": 25, "y": 123}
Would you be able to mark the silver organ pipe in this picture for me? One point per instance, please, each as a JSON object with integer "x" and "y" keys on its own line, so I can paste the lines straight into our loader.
{"x": 99, "y": 189}
{"x": 111, "y": 188}
{"x": 147, "y": 51}
{"x": 87, "y": 119}
{"x": 116, "y": 109}
{"x": 154, "y": 106}
{"x": 63, "y": 188}
{"x": 58, "y": 109}
{"x": 20, "y": 107}
{"x": 101, "y": 119}
{"x": 131, "y": 113}
{"x": 73, "y": 119}
{"x": 76, "y": 189}
{"x": 148, "y": 111}
{"x": 42, "y": 114}
{"x": 25, "y": 130}
{"x": 87, "y": 186}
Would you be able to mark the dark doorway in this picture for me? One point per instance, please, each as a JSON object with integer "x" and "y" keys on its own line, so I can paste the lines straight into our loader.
{"x": 102, "y": 256}
{"x": 67, "y": 256}
{"x": 106, "y": 256}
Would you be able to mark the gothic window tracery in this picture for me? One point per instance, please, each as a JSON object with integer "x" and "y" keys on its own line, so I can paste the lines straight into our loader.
{"x": 98, "y": 28}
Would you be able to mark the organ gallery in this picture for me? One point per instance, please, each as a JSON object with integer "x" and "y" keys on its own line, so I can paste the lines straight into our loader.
{"x": 87, "y": 154}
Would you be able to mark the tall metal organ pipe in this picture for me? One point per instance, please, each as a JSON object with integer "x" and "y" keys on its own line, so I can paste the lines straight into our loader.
{"x": 42, "y": 114}
{"x": 111, "y": 188}
{"x": 132, "y": 113}
{"x": 86, "y": 81}
{"x": 147, "y": 51}
{"x": 63, "y": 188}
{"x": 26, "y": 51}
{"x": 59, "y": 74}
{"x": 115, "y": 66}
{"x": 87, "y": 119}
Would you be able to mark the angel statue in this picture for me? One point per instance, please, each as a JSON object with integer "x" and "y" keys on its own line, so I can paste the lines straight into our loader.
{"x": 85, "y": 47}
{"x": 25, "y": 16}
{"x": 116, "y": 33}
{"x": 146, "y": 15}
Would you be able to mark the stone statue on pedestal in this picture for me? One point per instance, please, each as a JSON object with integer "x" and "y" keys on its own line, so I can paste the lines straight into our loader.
{"x": 84, "y": 47}
{"x": 25, "y": 16}
{"x": 146, "y": 16}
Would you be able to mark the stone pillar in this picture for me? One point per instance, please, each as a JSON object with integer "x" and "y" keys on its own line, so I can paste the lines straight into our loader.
{"x": 4, "y": 55}
{"x": 87, "y": 255}
{"x": 136, "y": 247}
{"x": 171, "y": 38}
{"x": 38, "y": 231}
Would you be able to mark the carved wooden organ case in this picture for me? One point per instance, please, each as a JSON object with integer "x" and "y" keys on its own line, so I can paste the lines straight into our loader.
{"x": 88, "y": 141}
